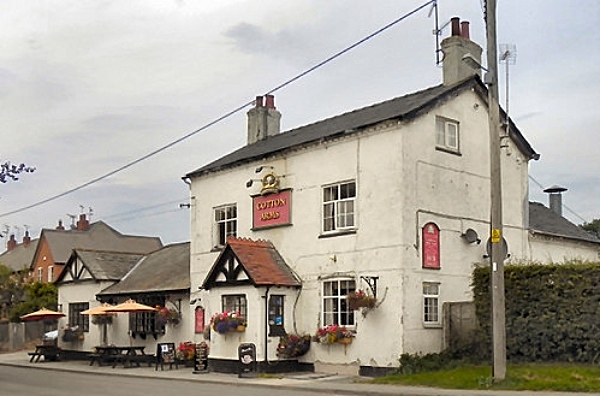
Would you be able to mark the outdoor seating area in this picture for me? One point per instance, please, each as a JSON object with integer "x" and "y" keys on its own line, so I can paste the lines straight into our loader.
{"x": 128, "y": 356}
{"x": 49, "y": 352}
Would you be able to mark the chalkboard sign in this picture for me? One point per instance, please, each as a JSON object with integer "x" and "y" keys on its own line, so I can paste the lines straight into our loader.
{"x": 247, "y": 360}
{"x": 165, "y": 354}
{"x": 201, "y": 358}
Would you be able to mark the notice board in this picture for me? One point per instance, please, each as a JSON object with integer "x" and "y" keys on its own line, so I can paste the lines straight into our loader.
{"x": 165, "y": 352}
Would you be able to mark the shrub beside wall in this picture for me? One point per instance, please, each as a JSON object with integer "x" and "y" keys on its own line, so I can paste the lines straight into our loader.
{"x": 552, "y": 311}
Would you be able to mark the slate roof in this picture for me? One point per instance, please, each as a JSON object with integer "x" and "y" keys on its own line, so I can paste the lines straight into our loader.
{"x": 20, "y": 257}
{"x": 402, "y": 108}
{"x": 104, "y": 265}
{"x": 545, "y": 221}
{"x": 260, "y": 260}
{"x": 165, "y": 270}
{"x": 99, "y": 236}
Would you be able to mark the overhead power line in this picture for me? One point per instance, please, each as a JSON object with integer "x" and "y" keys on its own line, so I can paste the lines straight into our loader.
{"x": 221, "y": 118}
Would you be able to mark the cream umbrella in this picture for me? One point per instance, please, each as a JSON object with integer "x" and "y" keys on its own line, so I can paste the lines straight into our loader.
{"x": 131, "y": 306}
{"x": 100, "y": 310}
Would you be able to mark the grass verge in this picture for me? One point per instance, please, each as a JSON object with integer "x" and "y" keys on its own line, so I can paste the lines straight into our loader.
{"x": 532, "y": 377}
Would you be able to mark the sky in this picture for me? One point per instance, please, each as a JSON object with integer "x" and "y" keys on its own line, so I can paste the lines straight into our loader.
{"x": 91, "y": 88}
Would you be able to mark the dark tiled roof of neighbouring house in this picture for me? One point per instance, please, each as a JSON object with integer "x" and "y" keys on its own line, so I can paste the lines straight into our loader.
{"x": 167, "y": 269}
{"x": 104, "y": 265}
{"x": 403, "y": 108}
{"x": 545, "y": 221}
{"x": 20, "y": 257}
{"x": 99, "y": 236}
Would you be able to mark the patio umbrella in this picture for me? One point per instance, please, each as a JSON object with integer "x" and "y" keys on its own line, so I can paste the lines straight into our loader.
{"x": 42, "y": 314}
{"x": 131, "y": 306}
{"x": 100, "y": 310}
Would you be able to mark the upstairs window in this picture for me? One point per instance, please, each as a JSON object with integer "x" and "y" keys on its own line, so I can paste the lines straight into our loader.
{"x": 446, "y": 136}
{"x": 225, "y": 224}
{"x": 339, "y": 207}
{"x": 335, "y": 307}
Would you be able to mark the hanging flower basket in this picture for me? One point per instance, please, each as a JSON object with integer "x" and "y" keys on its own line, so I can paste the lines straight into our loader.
{"x": 225, "y": 322}
{"x": 360, "y": 299}
{"x": 292, "y": 345}
{"x": 166, "y": 316}
{"x": 102, "y": 319}
{"x": 333, "y": 334}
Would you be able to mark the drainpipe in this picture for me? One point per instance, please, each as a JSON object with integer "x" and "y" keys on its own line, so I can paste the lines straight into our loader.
{"x": 266, "y": 297}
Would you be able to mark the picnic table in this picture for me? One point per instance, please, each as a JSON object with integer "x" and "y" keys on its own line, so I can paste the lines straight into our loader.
{"x": 126, "y": 355}
{"x": 49, "y": 352}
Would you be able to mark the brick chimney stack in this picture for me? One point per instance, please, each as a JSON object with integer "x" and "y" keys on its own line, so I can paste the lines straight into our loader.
{"x": 454, "y": 48}
{"x": 83, "y": 224}
{"x": 12, "y": 243}
{"x": 263, "y": 119}
{"x": 26, "y": 239}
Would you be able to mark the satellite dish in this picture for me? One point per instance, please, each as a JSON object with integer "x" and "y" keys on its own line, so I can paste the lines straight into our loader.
{"x": 471, "y": 236}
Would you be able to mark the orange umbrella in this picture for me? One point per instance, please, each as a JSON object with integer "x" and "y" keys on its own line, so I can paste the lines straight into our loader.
{"x": 99, "y": 310}
{"x": 42, "y": 314}
{"x": 130, "y": 306}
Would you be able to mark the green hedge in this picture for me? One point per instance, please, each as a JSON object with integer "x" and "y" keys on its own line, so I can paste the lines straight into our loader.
{"x": 552, "y": 311}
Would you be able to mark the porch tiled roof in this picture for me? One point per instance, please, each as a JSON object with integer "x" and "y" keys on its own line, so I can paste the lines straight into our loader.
{"x": 262, "y": 262}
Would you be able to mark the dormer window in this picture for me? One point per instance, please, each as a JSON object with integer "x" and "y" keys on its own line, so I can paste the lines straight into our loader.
{"x": 446, "y": 135}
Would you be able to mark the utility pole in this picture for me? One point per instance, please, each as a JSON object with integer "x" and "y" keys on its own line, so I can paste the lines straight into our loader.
{"x": 497, "y": 250}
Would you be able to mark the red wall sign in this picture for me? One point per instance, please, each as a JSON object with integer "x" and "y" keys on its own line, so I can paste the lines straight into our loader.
{"x": 199, "y": 325}
{"x": 272, "y": 209}
{"x": 431, "y": 245}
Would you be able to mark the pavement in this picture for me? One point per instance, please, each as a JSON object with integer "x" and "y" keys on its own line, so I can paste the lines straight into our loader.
{"x": 321, "y": 382}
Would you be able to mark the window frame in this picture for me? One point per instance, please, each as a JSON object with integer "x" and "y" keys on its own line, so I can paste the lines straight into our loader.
{"x": 237, "y": 303}
{"x": 339, "y": 208}
{"x": 431, "y": 304}
{"x": 145, "y": 322}
{"x": 75, "y": 317}
{"x": 339, "y": 312}
{"x": 442, "y": 138}
{"x": 226, "y": 226}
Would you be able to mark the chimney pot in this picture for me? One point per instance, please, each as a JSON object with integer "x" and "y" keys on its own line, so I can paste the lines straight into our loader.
{"x": 464, "y": 30}
{"x": 455, "y": 26}
{"x": 83, "y": 224}
{"x": 60, "y": 226}
{"x": 555, "y": 198}
{"x": 259, "y": 101}
{"x": 270, "y": 101}
{"x": 12, "y": 243}
{"x": 26, "y": 239}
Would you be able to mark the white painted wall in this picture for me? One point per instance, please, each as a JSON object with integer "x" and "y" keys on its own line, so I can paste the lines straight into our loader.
{"x": 403, "y": 183}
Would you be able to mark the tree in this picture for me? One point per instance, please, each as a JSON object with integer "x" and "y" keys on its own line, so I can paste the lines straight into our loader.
{"x": 592, "y": 227}
{"x": 9, "y": 171}
{"x": 12, "y": 289}
{"x": 38, "y": 295}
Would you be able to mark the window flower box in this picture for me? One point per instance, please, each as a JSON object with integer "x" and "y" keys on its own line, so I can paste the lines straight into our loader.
{"x": 334, "y": 334}
{"x": 226, "y": 322}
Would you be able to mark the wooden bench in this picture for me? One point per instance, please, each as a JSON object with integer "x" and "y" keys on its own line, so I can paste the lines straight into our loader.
{"x": 49, "y": 352}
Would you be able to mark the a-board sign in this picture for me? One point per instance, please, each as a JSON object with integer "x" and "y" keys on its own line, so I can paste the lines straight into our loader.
{"x": 165, "y": 352}
{"x": 247, "y": 360}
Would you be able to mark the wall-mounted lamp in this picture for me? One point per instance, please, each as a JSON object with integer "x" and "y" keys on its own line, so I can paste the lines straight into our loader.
{"x": 260, "y": 168}
{"x": 250, "y": 182}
